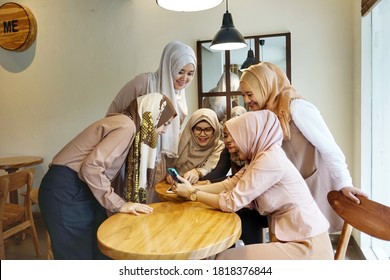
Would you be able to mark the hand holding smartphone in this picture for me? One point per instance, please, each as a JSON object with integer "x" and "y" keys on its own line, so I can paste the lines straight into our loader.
{"x": 172, "y": 171}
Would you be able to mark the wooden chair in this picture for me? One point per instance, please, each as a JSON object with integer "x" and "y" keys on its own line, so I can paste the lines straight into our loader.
{"x": 34, "y": 200}
{"x": 17, "y": 218}
{"x": 369, "y": 217}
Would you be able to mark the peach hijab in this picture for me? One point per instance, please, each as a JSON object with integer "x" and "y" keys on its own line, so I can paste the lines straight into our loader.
{"x": 254, "y": 133}
{"x": 272, "y": 90}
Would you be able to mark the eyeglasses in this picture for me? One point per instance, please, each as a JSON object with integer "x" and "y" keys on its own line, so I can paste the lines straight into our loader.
{"x": 198, "y": 130}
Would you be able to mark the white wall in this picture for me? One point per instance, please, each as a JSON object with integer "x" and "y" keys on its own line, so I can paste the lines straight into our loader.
{"x": 86, "y": 50}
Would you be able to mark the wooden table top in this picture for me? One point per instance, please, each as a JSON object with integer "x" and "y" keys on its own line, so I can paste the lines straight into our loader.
{"x": 187, "y": 230}
{"x": 11, "y": 164}
{"x": 161, "y": 190}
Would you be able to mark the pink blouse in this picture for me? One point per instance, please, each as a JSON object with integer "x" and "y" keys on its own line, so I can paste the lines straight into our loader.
{"x": 97, "y": 155}
{"x": 281, "y": 192}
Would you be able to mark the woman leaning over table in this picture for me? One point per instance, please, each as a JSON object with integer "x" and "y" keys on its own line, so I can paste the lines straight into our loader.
{"x": 199, "y": 147}
{"x": 271, "y": 184}
{"x": 107, "y": 168}
{"x": 308, "y": 142}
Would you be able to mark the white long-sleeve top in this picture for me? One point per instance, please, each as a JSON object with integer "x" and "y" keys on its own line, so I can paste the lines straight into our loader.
{"x": 309, "y": 121}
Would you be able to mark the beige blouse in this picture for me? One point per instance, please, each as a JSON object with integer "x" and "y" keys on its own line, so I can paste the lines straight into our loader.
{"x": 97, "y": 155}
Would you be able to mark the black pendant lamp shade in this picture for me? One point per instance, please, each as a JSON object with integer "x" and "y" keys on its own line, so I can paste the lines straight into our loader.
{"x": 250, "y": 60}
{"x": 228, "y": 37}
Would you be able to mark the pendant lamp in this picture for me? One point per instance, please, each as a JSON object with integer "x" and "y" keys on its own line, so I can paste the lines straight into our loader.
{"x": 188, "y": 5}
{"x": 228, "y": 37}
{"x": 250, "y": 60}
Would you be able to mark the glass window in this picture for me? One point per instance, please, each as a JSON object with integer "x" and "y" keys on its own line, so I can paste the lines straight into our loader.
{"x": 375, "y": 116}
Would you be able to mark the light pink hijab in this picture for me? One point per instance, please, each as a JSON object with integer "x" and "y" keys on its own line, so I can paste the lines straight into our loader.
{"x": 255, "y": 132}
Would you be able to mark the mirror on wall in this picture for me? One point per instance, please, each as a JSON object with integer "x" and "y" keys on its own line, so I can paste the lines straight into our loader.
{"x": 219, "y": 72}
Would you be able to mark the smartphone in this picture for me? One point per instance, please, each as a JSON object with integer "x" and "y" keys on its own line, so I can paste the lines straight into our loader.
{"x": 172, "y": 171}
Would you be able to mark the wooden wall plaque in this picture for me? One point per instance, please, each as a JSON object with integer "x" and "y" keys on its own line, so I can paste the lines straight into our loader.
{"x": 18, "y": 27}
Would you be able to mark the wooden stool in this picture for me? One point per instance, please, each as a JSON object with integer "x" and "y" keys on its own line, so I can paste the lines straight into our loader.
{"x": 34, "y": 199}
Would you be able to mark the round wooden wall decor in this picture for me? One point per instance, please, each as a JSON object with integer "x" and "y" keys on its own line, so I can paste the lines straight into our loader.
{"x": 18, "y": 28}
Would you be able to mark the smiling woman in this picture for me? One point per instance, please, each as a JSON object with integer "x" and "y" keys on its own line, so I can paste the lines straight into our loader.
{"x": 199, "y": 147}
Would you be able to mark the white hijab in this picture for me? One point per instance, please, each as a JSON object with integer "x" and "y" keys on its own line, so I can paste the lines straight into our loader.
{"x": 175, "y": 56}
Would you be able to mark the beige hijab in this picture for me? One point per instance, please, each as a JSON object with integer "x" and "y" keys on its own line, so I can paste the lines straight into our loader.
{"x": 148, "y": 113}
{"x": 175, "y": 56}
{"x": 191, "y": 155}
{"x": 272, "y": 90}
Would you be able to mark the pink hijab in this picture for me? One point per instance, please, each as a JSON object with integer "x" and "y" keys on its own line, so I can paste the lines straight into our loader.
{"x": 255, "y": 132}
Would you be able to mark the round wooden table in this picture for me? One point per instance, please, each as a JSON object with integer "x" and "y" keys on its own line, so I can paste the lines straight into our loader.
{"x": 12, "y": 164}
{"x": 161, "y": 190}
{"x": 188, "y": 230}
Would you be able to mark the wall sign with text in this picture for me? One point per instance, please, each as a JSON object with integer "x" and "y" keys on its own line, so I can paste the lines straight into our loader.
{"x": 18, "y": 27}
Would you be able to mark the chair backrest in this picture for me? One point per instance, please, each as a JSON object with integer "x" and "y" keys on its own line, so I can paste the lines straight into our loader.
{"x": 18, "y": 179}
{"x": 14, "y": 181}
{"x": 13, "y": 213}
{"x": 369, "y": 216}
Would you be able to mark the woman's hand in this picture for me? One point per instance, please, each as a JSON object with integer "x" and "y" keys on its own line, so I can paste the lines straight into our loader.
{"x": 169, "y": 179}
{"x": 183, "y": 189}
{"x": 135, "y": 208}
{"x": 351, "y": 193}
{"x": 192, "y": 176}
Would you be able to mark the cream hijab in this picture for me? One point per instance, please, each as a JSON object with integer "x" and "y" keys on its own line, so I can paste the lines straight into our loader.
{"x": 272, "y": 90}
{"x": 148, "y": 112}
{"x": 175, "y": 56}
{"x": 254, "y": 133}
{"x": 191, "y": 155}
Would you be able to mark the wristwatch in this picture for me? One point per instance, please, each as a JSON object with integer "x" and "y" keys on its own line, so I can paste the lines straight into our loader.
{"x": 193, "y": 196}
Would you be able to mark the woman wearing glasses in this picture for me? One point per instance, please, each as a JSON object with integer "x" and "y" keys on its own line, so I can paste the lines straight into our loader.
{"x": 199, "y": 147}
